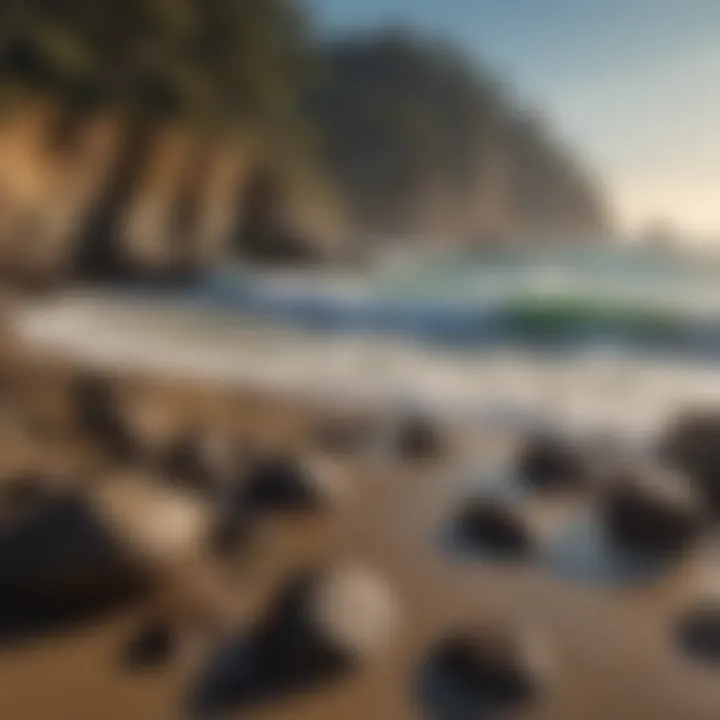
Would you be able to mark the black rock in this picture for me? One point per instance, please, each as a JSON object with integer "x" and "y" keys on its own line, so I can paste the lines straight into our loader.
{"x": 419, "y": 437}
{"x": 692, "y": 444}
{"x": 151, "y": 647}
{"x": 285, "y": 483}
{"x": 319, "y": 627}
{"x": 698, "y": 633}
{"x": 291, "y": 644}
{"x": 59, "y": 563}
{"x": 98, "y": 415}
{"x": 651, "y": 511}
{"x": 493, "y": 526}
{"x": 548, "y": 462}
{"x": 470, "y": 676}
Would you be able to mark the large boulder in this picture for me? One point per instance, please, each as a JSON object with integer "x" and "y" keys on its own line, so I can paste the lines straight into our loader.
{"x": 692, "y": 444}
{"x": 651, "y": 510}
{"x": 345, "y": 614}
{"x": 59, "y": 560}
{"x": 484, "y": 672}
{"x": 321, "y": 626}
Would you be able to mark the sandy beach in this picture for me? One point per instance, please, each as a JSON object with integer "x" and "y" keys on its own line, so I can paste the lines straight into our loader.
{"x": 612, "y": 644}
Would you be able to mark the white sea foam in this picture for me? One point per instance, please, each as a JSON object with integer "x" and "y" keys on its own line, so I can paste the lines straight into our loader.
{"x": 588, "y": 389}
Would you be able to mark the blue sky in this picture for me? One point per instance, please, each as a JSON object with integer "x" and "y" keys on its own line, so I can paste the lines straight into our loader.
{"x": 633, "y": 84}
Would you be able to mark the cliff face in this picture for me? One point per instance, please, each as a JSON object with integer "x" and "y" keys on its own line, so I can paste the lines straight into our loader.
{"x": 552, "y": 193}
{"x": 420, "y": 143}
{"x": 393, "y": 161}
{"x": 192, "y": 201}
{"x": 48, "y": 192}
{"x": 152, "y": 197}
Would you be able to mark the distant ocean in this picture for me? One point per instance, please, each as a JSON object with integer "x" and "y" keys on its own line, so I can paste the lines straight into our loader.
{"x": 623, "y": 296}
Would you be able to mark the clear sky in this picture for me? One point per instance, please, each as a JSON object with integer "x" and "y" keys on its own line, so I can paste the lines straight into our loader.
{"x": 633, "y": 84}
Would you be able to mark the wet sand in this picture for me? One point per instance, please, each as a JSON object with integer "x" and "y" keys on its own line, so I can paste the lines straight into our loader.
{"x": 615, "y": 652}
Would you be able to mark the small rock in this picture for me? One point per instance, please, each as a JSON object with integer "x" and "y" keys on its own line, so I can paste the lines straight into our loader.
{"x": 98, "y": 413}
{"x": 343, "y": 435}
{"x": 153, "y": 646}
{"x": 289, "y": 483}
{"x": 698, "y": 633}
{"x": 548, "y": 462}
{"x": 419, "y": 437}
{"x": 207, "y": 461}
{"x": 354, "y": 610}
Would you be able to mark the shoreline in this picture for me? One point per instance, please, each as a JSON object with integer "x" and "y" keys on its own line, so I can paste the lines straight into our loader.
{"x": 602, "y": 390}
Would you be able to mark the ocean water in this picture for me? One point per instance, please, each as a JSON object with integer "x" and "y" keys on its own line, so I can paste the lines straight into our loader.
{"x": 565, "y": 298}
{"x": 597, "y": 339}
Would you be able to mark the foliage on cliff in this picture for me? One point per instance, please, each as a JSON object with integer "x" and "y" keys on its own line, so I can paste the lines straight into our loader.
{"x": 215, "y": 60}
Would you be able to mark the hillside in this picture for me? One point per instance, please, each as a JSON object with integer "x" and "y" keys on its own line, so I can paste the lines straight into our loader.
{"x": 420, "y": 141}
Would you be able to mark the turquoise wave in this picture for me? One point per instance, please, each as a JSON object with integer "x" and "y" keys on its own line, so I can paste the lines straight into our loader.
{"x": 522, "y": 297}
{"x": 540, "y": 318}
